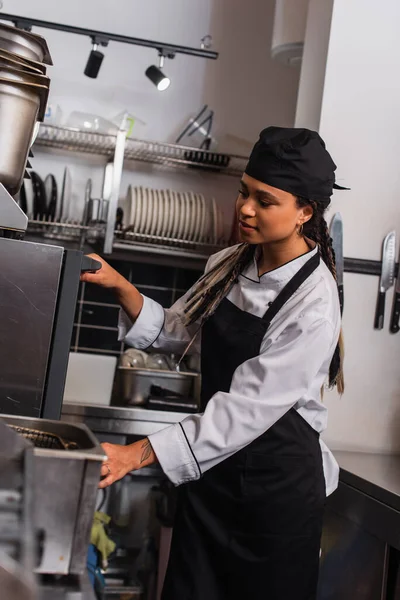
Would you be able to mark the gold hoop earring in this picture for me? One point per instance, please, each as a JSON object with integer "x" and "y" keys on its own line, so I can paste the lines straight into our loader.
{"x": 300, "y": 230}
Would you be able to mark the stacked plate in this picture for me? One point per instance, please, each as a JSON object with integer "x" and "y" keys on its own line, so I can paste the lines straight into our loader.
{"x": 173, "y": 215}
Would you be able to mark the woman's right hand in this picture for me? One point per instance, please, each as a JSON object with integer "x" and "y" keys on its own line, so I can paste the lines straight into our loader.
{"x": 106, "y": 277}
{"x": 127, "y": 295}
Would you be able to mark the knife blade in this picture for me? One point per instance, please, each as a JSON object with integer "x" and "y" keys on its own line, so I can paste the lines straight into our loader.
{"x": 336, "y": 233}
{"x": 387, "y": 277}
{"x": 394, "y": 321}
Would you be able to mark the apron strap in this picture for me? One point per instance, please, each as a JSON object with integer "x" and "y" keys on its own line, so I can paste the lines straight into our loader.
{"x": 291, "y": 287}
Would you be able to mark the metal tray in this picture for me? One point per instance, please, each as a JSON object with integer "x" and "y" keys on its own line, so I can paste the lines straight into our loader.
{"x": 133, "y": 385}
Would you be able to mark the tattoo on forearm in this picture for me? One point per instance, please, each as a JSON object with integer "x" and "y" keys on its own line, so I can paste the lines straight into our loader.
{"x": 146, "y": 451}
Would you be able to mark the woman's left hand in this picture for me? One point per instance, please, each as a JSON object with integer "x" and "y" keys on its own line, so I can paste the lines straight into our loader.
{"x": 123, "y": 459}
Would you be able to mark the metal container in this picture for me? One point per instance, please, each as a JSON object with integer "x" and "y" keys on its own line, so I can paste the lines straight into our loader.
{"x": 34, "y": 64}
{"x": 133, "y": 385}
{"x": 37, "y": 79}
{"x": 5, "y": 61}
{"x": 24, "y": 43}
{"x": 64, "y": 490}
{"x": 19, "y": 110}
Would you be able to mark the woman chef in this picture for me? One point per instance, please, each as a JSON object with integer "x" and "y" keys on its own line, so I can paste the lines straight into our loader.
{"x": 252, "y": 471}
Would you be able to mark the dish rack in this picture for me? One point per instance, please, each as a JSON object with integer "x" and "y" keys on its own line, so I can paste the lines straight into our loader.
{"x": 118, "y": 149}
{"x": 78, "y": 234}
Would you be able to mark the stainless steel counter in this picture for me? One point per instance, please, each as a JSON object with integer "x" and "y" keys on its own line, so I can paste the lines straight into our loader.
{"x": 120, "y": 420}
{"x": 377, "y": 475}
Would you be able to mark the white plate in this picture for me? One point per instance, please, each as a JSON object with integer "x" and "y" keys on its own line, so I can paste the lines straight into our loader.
{"x": 145, "y": 206}
{"x": 182, "y": 215}
{"x": 169, "y": 213}
{"x": 150, "y": 211}
{"x": 192, "y": 216}
{"x": 201, "y": 217}
{"x": 207, "y": 224}
{"x": 214, "y": 231}
{"x": 196, "y": 215}
{"x": 29, "y": 197}
{"x": 160, "y": 212}
{"x": 128, "y": 207}
{"x": 154, "y": 212}
{"x": 65, "y": 195}
{"x": 163, "y": 212}
{"x": 138, "y": 213}
{"x": 175, "y": 214}
{"x": 188, "y": 211}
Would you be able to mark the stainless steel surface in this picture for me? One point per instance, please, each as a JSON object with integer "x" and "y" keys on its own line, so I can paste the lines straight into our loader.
{"x": 24, "y": 43}
{"x": 133, "y": 385}
{"x": 10, "y": 60}
{"x": 12, "y": 217}
{"x": 15, "y": 582}
{"x": 19, "y": 110}
{"x": 64, "y": 494}
{"x": 388, "y": 261}
{"x": 377, "y": 475}
{"x": 40, "y": 83}
{"x": 167, "y": 155}
{"x": 70, "y": 588}
{"x": 115, "y": 187}
{"x": 17, "y": 543}
{"x": 336, "y": 231}
{"x": 120, "y": 420}
{"x": 29, "y": 279}
{"x": 32, "y": 64}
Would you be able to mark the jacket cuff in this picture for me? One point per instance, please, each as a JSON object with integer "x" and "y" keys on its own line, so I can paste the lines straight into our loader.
{"x": 145, "y": 330}
{"x": 175, "y": 455}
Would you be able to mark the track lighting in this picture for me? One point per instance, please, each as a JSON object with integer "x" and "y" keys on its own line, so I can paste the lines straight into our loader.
{"x": 95, "y": 58}
{"x": 156, "y": 76}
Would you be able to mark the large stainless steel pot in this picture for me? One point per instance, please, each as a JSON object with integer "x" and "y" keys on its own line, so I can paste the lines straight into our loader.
{"x": 18, "y": 64}
{"x": 38, "y": 66}
{"x": 14, "y": 74}
{"x": 66, "y": 472}
{"x": 24, "y": 43}
{"x": 19, "y": 111}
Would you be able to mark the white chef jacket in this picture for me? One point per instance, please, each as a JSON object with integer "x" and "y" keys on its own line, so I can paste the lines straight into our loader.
{"x": 289, "y": 372}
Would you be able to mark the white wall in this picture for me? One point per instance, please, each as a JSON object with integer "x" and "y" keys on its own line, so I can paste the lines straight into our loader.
{"x": 360, "y": 123}
{"x": 247, "y": 90}
{"x": 311, "y": 85}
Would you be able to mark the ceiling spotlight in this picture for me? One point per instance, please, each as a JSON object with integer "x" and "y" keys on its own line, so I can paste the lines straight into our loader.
{"x": 95, "y": 59}
{"x": 156, "y": 76}
{"x": 161, "y": 81}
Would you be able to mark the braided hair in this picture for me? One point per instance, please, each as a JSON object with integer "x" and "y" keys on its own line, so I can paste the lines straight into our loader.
{"x": 215, "y": 285}
{"x": 317, "y": 230}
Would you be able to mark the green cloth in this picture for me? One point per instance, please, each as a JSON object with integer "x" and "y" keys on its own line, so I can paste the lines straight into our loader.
{"x": 100, "y": 539}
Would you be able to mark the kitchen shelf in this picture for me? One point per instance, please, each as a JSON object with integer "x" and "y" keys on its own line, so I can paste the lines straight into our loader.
{"x": 160, "y": 153}
{"x": 127, "y": 243}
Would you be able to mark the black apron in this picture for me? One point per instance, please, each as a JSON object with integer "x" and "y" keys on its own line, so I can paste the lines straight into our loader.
{"x": 250, "y": 527}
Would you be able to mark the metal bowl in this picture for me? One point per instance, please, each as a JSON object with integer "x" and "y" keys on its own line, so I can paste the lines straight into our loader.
{"x": 34, "y": 64}
{"x": 19, "y": 110}
{"x": 24, "y": 43}
{"x": 17, "y": 64}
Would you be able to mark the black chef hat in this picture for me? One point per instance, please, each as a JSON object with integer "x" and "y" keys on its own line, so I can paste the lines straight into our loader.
{"x": 294, "y": 160}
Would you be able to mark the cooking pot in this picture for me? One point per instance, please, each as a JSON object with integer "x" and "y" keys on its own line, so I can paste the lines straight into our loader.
{"x": 17, "y": 64}
{"x": 34, "y": 64}
{"x": 24, "y": 43}
{"x": 31, "y": 78}
{"x": 19, "y": 111}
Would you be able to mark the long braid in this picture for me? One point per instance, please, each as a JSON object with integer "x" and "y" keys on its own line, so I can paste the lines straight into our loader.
{"x": 317, "y": 229}
{"x": 212, "y": 288}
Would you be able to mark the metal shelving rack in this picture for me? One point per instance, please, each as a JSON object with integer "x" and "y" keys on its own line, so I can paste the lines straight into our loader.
{"x": 160, "y": 153}
{"x": 117, "y": 149}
